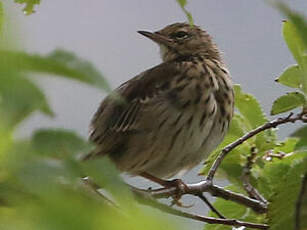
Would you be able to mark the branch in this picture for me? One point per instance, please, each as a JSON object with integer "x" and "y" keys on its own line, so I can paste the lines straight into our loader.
{"x": 251, "y": 191}
{"x": 146, "y": 199}
{"x": 212, "y": 208}
{"x": 205, "y": 186}
{"x": 272, "y": 124}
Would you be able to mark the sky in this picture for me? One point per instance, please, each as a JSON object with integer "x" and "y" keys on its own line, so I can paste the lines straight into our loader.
{"x": 104, "y": 32}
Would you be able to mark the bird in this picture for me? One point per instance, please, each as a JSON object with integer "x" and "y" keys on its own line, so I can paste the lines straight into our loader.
{"x": 169, "y": 118}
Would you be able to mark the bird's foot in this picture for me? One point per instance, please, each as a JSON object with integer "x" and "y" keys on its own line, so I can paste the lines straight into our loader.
{"x": 180, "y": 187}
{"x": 176, "y": 201}
{"x": 177, "y": 184}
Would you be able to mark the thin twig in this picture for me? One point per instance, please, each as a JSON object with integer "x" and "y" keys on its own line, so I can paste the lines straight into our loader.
{"x": 272, "y": 124}
{"x": 95, "y": 188}
{"x": 144, "y": 198}
{"x": 252, "y": 192}
{"x": 212, "y": 208}
{"x": 279, "y": 155}
{"x": 254, "y": 204}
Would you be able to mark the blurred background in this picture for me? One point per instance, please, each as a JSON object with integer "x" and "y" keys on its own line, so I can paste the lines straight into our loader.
{"x": 104, "y": 32}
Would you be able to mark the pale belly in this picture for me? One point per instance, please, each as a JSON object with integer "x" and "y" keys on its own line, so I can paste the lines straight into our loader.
{"x": 191, "y": 146}
{"x": 181, "y": 143}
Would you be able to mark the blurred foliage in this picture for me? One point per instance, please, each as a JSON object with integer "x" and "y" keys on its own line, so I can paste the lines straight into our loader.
{"x": 58, "y": 143}
{"x": 29, "y": 5}
{"x": 59, "y": 62}
{"x": 40, "y": 185}
{"x": 40, "y": 175}
{"x": 21, "y": 96}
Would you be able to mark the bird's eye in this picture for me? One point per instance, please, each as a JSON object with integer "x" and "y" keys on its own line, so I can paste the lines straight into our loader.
{"x": 180, "y": 35}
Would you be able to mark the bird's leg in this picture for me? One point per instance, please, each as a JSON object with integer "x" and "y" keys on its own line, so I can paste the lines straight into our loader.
{"x": 178, "y": 184}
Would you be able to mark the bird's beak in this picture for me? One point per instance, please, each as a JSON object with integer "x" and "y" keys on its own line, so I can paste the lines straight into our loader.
{"x": 158, "y": 38}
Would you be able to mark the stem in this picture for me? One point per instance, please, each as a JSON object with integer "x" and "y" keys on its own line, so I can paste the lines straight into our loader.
{"x": 268, "y": 125}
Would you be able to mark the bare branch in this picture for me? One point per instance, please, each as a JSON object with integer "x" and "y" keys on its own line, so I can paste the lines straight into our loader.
{"x": 213, "y": 209}
{"x": 252, "y": 192}
{"x": 204, "y": 186}
{"x": 272, "y": 124}
{"x": 145, "y": 198}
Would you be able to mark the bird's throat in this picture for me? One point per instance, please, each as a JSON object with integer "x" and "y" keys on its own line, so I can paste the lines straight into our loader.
{"x": 167, "y": 54}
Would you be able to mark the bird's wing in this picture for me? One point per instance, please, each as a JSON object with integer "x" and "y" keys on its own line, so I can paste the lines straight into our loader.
{"x": 118, "y": 114}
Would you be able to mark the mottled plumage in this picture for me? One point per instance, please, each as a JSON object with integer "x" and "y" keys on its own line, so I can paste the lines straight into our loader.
{"x": 170, "y": 117}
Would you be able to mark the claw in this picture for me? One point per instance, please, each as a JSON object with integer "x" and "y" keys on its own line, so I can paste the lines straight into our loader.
{"x": 176, "y": 201}
{"x": 178, "y": 184}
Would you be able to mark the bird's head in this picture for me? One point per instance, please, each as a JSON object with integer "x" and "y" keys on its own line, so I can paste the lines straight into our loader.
{"x": 182, "y": 39}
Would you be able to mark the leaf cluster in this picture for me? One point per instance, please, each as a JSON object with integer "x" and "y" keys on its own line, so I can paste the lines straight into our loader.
{"x": 279, "y": 166}
{"x": 40, "y": 182}
{"x": 295, "y": 76}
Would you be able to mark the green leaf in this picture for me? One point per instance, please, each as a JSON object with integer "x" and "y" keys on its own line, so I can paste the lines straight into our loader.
{"x": 298, "y": 20}
{"x": 302, "y": 211}
{"x": 254, "y": 116}
{"x": 303, "y": 67}
{"x": 59, "y": 62}
{"x": 294, "y": 41}
{"x": 29, "y": 5}
{"x": 182, "y": 4}
{"x": 287, "y": 146}
{"x": 244, "y": 102}
{"x": 301, "y": 133}
{"x": 43, "y": 193}
{"x": 297, "y": 45}
{"x": 59, "y": 143}
{"x": 287, "y": 102}
{"x": 106, "y": 175}
{"x": 19, "y": 97}
{"x": 291, "y": 77}
{"x": 280, "y": 182}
